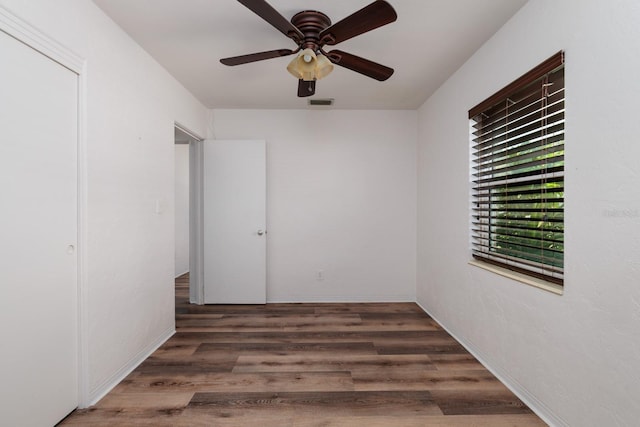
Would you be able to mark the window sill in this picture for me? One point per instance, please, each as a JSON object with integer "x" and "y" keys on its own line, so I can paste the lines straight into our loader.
{"x": 523, "y": 278}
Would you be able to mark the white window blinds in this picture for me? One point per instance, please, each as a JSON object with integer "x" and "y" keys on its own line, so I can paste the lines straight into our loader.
{"x": 517, "y": 149}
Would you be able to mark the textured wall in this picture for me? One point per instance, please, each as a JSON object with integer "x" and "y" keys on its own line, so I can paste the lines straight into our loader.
{"x": 131, "y": 106}
{"x": 341, "y": 194}
{"x": 576, "y": 357}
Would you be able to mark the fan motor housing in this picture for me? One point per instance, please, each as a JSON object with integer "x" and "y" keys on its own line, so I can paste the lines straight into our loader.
{"x": 311, "y": 23}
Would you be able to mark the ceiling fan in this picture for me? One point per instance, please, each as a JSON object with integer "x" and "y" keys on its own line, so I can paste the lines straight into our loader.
{"x": 311, "y": 31}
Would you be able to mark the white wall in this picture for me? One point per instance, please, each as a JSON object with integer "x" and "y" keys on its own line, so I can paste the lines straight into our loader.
{"x": 131, "y": 106}
{"x": 575, "y": 357}
{"x": 181, "y": 209}
{"x": 341, "y": 199}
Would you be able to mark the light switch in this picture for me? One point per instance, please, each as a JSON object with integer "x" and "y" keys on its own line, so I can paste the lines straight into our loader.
{"x": 159, "y": 207}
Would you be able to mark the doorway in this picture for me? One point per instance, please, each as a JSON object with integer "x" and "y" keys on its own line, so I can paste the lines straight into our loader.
{"x": 185, "y": 142}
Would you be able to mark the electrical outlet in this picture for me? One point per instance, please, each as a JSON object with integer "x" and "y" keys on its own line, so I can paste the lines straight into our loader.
{"x": 320, "y": 275}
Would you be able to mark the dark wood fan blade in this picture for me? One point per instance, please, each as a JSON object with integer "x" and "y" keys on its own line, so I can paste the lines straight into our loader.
{"x": 306, "y": 88}
{"x": 253, "y": 57}
{"x": 360, "y": 65}
{"x": 273, "y": 17}
{"x": 370, "y": 17}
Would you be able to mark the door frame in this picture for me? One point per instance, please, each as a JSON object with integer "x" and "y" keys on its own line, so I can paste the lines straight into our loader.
{"x": 29, "y": 35}
{"x": 196, "y": 247}
{"x": 196, "y": 222}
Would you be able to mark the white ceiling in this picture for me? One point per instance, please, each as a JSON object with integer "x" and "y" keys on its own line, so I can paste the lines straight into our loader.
{"x": 430, "y": 40}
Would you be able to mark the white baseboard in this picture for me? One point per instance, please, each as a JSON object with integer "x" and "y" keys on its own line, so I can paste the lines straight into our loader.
{"x": 106, "y": 386}
{"x": 341, "y": 300}
{"x": 505, "y": 378}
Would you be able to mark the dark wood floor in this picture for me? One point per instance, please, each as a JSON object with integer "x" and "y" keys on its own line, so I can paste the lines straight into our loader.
{"x": 300, "y": 365}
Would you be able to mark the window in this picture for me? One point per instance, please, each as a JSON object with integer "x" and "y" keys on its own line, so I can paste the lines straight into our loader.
{"x": 517, "y": 174}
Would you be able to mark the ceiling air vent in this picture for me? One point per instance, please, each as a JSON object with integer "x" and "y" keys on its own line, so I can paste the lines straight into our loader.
{"x": 321, "y": 102}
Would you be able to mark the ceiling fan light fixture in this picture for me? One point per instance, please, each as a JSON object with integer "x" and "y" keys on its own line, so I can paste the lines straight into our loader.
{"x": 309, "y": 66}
{"x": 303, "y": 65}
{"x": 323, "y": 66}
{"x": 312, "y": 30}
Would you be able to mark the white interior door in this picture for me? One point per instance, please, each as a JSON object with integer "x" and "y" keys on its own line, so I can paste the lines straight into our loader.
{"x": 234, "y": 202}
{"x": 38, "y": 235}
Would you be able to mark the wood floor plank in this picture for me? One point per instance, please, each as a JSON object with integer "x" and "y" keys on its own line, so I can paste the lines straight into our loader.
{"x": 464, "y": 362}
{"x": 420, "y": 348}
{"x": 190, "y": 337}
{"x": 183, "y": 307}
{"x": 239, "y": 382}
{"x": 294, "y": 323}
{"x": 313, "y": 403}
{"x": 146, "y": 400}
{"x": 121, "y": 418}
{"x": 421, "y": 421}
{"x": 479, "y": 402}
{"x": 320, "y": 363}
{"x": 192, "y": 418}
{"x": 435, "y": 344}
{"x": 285, "y": 348}
{"x": 278, "y": 321}
{"x": 203, "y": 315}
{"x": 394, "y": 315}
{"x": 307, "y": 365}
{"x": 427, "y": 380}
{"x": 184, "y": 367}
{"x": 371, "y": 325}
{"x": 361, "y": 308}
{"x": 175, "y": 350}
{"x": 256, "y": 309}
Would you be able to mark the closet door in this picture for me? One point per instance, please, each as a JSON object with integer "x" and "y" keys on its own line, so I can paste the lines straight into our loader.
{"x": 38, "y": 236}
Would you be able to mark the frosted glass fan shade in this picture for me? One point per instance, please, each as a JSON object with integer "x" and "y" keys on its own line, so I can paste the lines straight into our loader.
{"x": 309, "y": 66}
